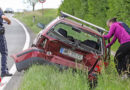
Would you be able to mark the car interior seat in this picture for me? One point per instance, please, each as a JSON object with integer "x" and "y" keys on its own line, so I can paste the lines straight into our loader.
{"x": 91, "y": 43}
{"x": 62, "y": 32}
{"x": 70, "y": 38}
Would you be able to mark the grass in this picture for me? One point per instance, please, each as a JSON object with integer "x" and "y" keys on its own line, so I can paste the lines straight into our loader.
{"x": 50, "y": 78}
{"x": 115, "y": 46}
{"x": 42, "y": 17}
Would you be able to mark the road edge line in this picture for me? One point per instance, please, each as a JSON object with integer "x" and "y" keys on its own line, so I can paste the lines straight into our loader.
{"x": 13, "y": 70}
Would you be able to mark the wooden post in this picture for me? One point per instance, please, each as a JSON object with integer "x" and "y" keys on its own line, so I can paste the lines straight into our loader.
{"x": 34, "y": 19}
{"x": 42, "y": 9}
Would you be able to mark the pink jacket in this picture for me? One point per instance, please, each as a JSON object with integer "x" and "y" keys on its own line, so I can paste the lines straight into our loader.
{"x": 118, "y": 32}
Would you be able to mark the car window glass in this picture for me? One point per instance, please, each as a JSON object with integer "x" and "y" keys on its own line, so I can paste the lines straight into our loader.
{"x": 77, "y": 35}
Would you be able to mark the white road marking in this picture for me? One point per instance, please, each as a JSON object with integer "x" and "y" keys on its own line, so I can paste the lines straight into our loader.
{"x": 5, "y": 80}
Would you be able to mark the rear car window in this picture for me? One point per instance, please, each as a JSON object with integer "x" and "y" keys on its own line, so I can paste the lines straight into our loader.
{"x": 77, "y": 34}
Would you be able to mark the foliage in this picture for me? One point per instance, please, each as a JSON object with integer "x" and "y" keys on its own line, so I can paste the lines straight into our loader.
{"x": 98, "y": 11}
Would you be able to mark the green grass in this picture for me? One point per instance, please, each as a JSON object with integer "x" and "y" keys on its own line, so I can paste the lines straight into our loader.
{"x": 45, "y": 18}
{"x": 115, "y": 46}
{"x": 50, "y": 78}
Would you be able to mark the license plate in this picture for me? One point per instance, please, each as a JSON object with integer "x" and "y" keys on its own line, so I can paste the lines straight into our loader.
{"x": 70, "y": 53}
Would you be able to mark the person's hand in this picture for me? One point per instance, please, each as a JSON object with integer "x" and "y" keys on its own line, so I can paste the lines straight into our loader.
{"x": 104, "y": 37}
{"x": 6, "y": 19}
{"x": 107, "y": 46}
{"x": 9, "y": 23}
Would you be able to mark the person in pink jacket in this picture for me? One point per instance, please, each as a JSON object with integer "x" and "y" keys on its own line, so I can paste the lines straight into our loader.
{"x": 117, "y": 31}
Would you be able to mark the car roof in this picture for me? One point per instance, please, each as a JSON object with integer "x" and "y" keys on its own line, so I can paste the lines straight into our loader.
{"x": 71, "y": 22}
{"x": 77, "y": 24}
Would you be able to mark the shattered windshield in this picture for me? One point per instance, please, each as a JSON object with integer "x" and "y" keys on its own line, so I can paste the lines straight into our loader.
{"x": 78, "y": 36}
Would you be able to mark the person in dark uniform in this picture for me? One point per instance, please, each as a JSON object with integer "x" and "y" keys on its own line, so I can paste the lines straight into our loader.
{"x": 3, "y": 46}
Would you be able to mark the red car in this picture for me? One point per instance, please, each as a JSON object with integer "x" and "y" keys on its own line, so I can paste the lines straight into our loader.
{"x": 67, "y": 43}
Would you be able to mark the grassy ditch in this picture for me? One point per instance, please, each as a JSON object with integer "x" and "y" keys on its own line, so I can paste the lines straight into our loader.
{"x": 50, "y": 78}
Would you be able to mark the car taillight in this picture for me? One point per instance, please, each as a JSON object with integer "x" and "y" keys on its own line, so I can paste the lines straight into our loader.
{"x": 97, "y": 68}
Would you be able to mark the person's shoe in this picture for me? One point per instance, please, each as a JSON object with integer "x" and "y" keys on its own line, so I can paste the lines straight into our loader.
{"x": 6, "y": 74}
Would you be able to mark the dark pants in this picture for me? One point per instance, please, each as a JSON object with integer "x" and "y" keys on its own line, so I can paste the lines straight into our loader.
{"x": 4, "y": 53}
{"x": 120, "y": 57}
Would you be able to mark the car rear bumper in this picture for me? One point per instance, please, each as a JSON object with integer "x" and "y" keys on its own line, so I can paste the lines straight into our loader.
{"x": 32, "y": 56}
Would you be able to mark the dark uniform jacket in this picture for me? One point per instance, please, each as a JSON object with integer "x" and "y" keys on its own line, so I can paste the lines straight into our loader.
{"x": 1, "y": 20}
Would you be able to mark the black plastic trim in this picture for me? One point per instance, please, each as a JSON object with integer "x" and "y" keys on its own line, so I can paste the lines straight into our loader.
{"x": 39, "y": 50}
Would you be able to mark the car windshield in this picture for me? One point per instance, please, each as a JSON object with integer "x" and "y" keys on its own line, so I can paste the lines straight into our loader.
{"x": 78, "y": 36}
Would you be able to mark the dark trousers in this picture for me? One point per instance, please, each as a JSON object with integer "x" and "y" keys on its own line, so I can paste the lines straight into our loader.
{"x": 120, "y": 57}
{"x": 4, "y": 53}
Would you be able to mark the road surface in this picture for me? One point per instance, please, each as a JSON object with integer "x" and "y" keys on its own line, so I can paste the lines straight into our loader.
{"x": 16, "y": 38}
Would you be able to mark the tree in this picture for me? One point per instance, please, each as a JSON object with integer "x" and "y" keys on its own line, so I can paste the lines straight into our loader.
{"x": 67, "y": 6}
{"x": 125, "y": 14}
{"x": 32, "y": 3}
{"x": 73, "y": 7}
{"x": 115, "y": 7}
{"x": 97, "y": 12}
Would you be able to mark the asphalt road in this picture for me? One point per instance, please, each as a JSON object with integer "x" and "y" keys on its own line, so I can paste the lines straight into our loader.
{"x": 15, "y": 36}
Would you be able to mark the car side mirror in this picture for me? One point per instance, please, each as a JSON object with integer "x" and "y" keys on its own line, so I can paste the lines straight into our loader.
{"x": 40, "y": 25}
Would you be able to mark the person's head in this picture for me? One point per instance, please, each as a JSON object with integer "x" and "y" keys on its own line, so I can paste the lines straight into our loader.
{"x": 111, "y": 21}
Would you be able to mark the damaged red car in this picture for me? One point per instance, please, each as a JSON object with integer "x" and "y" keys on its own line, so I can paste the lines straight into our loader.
{"x": 67, "y": 42}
